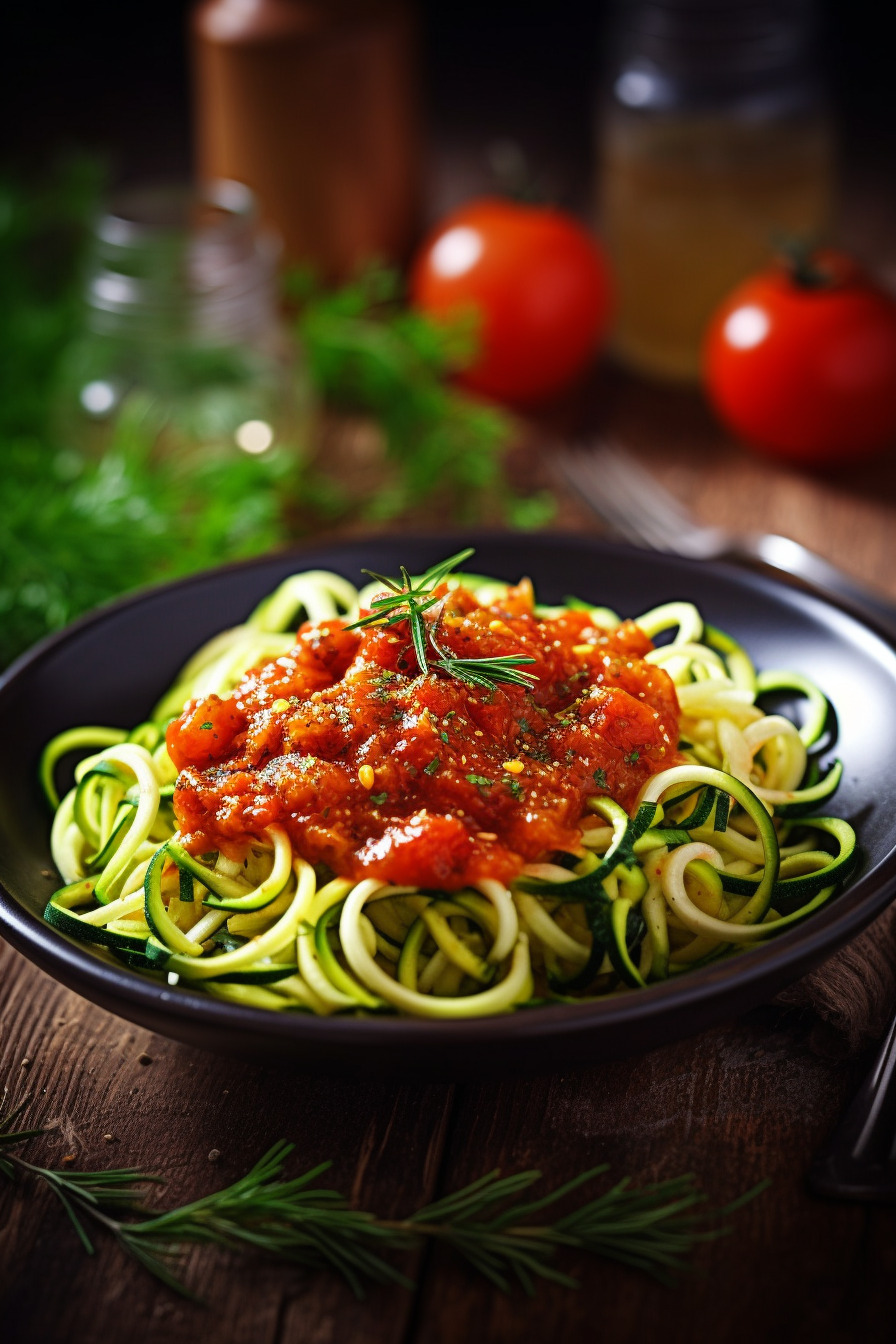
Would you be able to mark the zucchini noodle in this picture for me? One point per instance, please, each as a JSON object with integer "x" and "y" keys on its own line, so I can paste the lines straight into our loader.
{"x": 718, "y": 853}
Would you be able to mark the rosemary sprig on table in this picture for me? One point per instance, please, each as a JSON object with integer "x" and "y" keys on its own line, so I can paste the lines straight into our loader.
{"x": 407, "y": 601}
{"x": 489, "y": 1223}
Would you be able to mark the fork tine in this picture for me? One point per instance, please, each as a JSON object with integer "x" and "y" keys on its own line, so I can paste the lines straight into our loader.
{"x": 610, "y": 493}
{"x": 666, "y": 512}
{"x": 626, "y": 496}
{"x": 579, "y": 470}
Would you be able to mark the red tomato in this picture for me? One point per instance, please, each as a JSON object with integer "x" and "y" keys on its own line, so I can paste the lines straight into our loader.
{"x": 538, "y": 284}
{"x": 803, "y": 370}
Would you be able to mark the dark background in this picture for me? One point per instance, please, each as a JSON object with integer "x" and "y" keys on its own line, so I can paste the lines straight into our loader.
{"x": 115, "y": 78}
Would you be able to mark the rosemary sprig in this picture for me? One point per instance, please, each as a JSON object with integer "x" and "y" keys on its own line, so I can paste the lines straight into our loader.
{"x": 488, "y": 1223}
{"x": 486, "y": 672}
{"x": 407, "y": 601}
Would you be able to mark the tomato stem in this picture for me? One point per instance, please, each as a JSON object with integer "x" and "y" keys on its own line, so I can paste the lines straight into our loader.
{"x": 800, "y": 258}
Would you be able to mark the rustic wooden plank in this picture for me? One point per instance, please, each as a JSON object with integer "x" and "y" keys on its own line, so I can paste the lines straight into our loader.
{"x": 85, "y": 1074}
{"x": 735, "y": 1105}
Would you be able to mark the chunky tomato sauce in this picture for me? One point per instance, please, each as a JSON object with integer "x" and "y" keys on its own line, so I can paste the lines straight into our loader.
{"x": 379, "y": 771}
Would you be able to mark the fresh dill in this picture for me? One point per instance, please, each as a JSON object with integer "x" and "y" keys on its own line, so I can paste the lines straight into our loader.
{"x": 489, "y": 1223}
{"x": 78, "y": 529}
{"x": 408, "y": 600}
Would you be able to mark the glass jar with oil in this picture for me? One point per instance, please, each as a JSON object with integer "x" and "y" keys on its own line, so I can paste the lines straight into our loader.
{"x": 715, "y": 142}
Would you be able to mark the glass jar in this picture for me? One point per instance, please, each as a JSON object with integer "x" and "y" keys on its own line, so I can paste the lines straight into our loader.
{"x": 714, "y": 141}
{"x": 181, "y": 325}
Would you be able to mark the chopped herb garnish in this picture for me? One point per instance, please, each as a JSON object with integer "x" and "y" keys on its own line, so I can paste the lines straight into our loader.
{"x": 632, "y": 757}
{"x": 205, "y": 726}
{"x": 378, "y": 798}
{"x": 524, "y": 725}
{"x": 480, "y": 780}
{"x": 432, "y": 767}
{"x": 444, "y": 736}
{"x": 513, "y": 785}
{"x": 538, "y": 754}
{"x": 600, "y": 778}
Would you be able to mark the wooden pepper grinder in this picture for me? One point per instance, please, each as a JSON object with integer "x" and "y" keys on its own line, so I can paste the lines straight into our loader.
{"x": 314, "y": 105}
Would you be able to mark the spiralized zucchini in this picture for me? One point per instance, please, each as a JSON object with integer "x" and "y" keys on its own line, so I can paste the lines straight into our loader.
{"x": 718, "y": 856}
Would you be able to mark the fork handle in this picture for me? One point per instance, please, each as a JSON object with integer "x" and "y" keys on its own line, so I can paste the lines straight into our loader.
{"x": 859, "y": 1161}
{"x": 790, "y": 557}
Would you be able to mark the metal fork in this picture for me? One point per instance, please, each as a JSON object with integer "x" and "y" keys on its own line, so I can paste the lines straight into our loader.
{"x": 859, "y": 1161}
{"x": 635, "y": 506}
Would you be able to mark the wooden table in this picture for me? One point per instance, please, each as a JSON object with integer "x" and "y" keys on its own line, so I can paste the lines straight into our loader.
{"x": 752, "y": 1099}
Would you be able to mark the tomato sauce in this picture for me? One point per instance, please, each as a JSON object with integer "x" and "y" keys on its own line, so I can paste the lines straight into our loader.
{"x": 377, "y": 770}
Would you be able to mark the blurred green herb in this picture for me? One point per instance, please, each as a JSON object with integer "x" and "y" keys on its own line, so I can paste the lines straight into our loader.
{"x": 76, "y": 532}
{"x": 368, "y": 352}
{"x": 43, "y": 238}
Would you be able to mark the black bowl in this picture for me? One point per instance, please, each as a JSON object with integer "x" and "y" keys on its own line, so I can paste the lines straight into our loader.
{"x": 111, "y": 667}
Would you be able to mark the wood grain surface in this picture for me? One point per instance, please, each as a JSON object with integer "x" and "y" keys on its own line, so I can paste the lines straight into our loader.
{"x": 750, "y": 1100}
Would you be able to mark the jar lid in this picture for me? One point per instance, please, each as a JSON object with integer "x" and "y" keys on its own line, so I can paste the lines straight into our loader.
{"x": 716, "y": 52}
